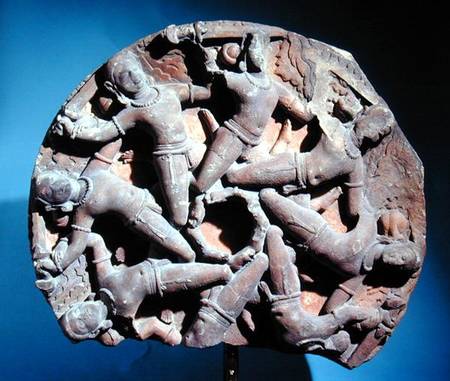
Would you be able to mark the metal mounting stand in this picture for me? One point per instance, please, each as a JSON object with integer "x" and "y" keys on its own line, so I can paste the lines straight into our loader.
{"x": 230, "y": 363}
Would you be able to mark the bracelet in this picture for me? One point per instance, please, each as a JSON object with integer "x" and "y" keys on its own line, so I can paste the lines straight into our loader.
{"x": 75, "y": 132}
{"x": 102, "y": 259}
{"x": 100, "y": 157}
{"x": 57, "y": 261}
{"x": 80, "y": 228}
{"x": 289, "y": 107}
{"x": 120, "y": 130}
{"x": 354, "y": 185}
{"x": 191, "y": 92}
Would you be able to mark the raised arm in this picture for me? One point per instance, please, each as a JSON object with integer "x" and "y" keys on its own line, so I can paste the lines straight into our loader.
{"x": 292, "y": 103}
{"x": 93, "y": 129}
{"x": 189, "y": 92}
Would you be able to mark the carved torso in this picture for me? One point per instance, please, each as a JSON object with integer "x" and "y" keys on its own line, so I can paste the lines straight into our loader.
{"x": 256, "y": 101}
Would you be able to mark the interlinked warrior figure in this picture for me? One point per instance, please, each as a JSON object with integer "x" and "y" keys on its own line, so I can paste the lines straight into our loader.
{"x": 91, "y": 196}
{"x": 352, "y": 254}
{"x": 332, "y": 157}
{"x": 297, "y": 326}
{"x": 256, "y": 96}
{"x": 223, "y": 305}
{"x": 122, "y": 290}
{"x": 158, "y": 108}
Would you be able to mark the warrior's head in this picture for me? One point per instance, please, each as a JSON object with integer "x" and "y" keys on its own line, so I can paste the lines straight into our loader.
{"x": 373, "y": 124}
{"x": 257, "y": 51}
{"x": 401, "y": 255}
{"x": 125, "y": 76}
{"x": 57, "y": 191}
{"x": 85, "y": 320}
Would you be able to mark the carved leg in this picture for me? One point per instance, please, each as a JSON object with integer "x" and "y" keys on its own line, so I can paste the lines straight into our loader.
{"x": 173, "y": 174}
{"x": 179, "y": 277}
{"x": 277, "y": 171}
{"x": 223, "y": 151}
{"x": 221, "y": 310}
{"x": 343, "y": 293}
{"x": 155, "y": 227}
{"x": 295, "y": 324}
{"x": 152, "y": 326}
{"x": 207, "y": 118}
{"x": 209, "y": 253}
{"x": 338, "y": 342}
{"x": 283, "y": 272}
{"x": 242, "y": 257}
{"x": 323, "y": 202}
{"x": 303, "y": 223}
{"x": 299, "y": 327}
{"x": 285, "y": 137}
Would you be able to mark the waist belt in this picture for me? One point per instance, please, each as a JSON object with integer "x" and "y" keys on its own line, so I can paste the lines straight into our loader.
{"x": 248, "y": 137}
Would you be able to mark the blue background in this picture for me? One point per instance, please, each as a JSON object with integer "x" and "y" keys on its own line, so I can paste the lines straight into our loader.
{"x": 47, "y": 48}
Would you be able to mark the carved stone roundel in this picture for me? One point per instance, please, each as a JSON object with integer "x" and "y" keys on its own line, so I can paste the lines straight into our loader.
{"x": 228, "y": 182}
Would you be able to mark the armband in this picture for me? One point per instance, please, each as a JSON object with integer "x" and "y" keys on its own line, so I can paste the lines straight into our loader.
{"x": 191, "y": 92}
{"x": 80, "y": 228}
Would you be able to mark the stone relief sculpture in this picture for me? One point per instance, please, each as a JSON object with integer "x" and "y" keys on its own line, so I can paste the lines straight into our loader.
{"x": 229, "y": 182}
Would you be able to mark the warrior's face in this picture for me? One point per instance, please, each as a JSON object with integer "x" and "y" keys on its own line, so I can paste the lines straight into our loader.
{"x": 85, "y": 319}
{"x": 56, "y": 189}
{"x": 403, "y": 256}
{"x": 129, "y": 78}
{"x": 257, "y": 51}
{"x": 374, "y": 124}
{"x": 126, "y": 76}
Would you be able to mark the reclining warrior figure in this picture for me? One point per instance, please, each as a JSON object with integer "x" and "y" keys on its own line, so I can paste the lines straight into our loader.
{"x": 353, "y": 254}
{"x": 297, "y": 326}
{"x": 92, "y": 195}
{"x": 257, "y": 96}
{"x": 329, "y": 159}
{"x": 122, "y": 290}
{"x": 155, "y": 106}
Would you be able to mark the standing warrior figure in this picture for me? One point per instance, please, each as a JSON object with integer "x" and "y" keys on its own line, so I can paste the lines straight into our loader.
{"x": 158, "y": 108}
{"x": 91, "y": 195}
{"x": 257, "y": 96}
{"x": 339, "y": 156}
{"x": 123, "y": 289}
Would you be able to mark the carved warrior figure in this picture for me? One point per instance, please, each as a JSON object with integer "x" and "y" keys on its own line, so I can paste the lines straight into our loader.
{"x": 90, "y": 195}
{"x": 331, "y": 158}
{"x": 299, "y": 327}
{"x": 256, "y": 95}
{"x": 349, "y": 254}
{"x": 288, "y": 268}
{"x": 223, "y": 305}
{"x": 122, "y": 290}
{"x": 158, "y": 108}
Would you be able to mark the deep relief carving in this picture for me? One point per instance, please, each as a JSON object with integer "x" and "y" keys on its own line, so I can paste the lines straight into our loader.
{"x": 228, "y": 182}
